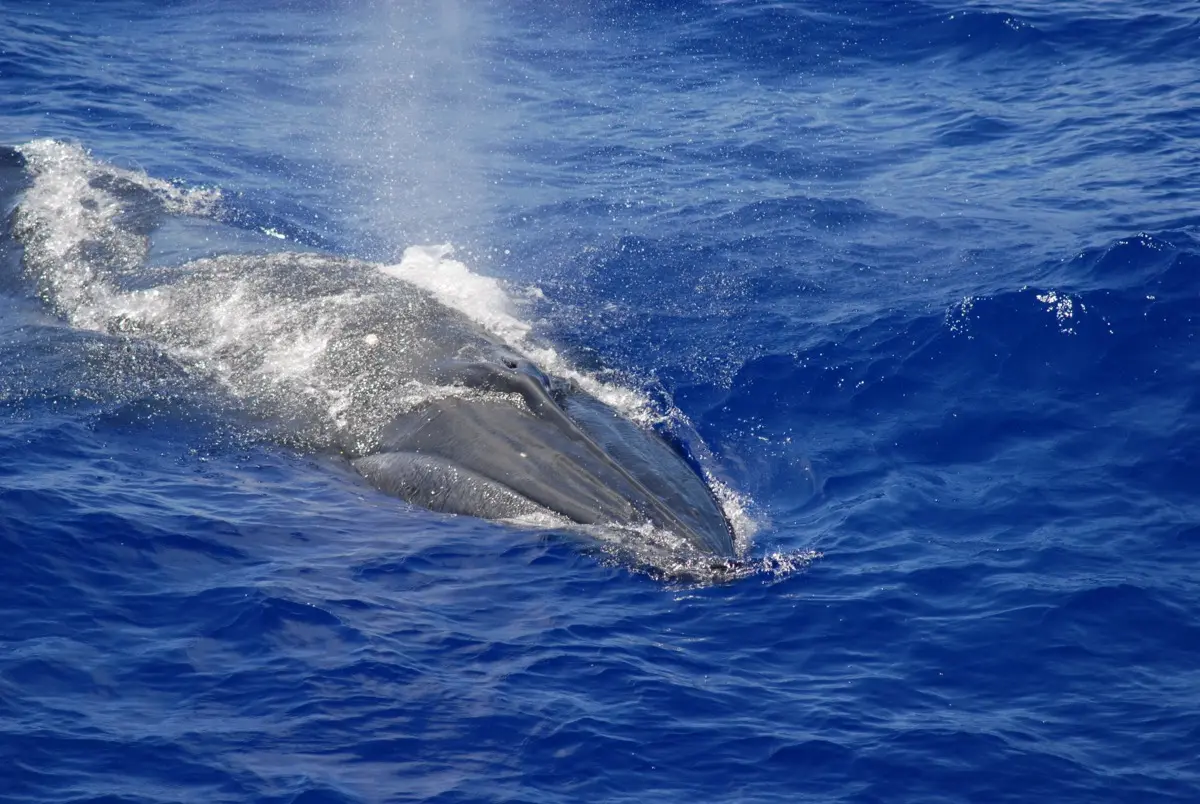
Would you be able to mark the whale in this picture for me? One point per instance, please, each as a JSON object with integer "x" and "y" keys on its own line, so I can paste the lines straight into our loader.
{"x": 424, "y": 402}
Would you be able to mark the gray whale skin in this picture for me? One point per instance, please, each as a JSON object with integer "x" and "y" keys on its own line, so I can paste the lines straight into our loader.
{"x": 566, "y": 452}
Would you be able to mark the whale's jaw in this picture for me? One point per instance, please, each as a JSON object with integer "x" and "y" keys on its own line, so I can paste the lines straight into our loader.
{"x": 562, "y": 451}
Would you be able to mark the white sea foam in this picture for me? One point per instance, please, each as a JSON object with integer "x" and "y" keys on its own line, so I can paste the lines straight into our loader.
{"x": 481, "y": 298}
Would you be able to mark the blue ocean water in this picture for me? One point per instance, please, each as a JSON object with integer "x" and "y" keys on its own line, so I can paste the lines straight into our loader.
{"x": 923, "y": 276}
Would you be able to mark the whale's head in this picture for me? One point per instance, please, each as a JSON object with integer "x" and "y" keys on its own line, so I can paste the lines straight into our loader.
{"x": 556, "y": 449}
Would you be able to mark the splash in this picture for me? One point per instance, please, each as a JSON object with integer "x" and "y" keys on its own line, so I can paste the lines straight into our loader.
{"x": 81, "y": 233}
{"x": 1063, "y": 307}
{"x": 663, "y": 556}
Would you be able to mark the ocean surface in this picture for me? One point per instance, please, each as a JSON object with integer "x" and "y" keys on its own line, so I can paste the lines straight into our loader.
{"x": 921, "y": 279}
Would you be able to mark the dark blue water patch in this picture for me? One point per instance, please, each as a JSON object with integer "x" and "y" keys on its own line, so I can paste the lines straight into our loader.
{"x": 294, "y": 225}
{"x": 683, "y": 282}
{"x": 792, "y": 39}
{"x": 973, "y": 129}
{"x": 1165, "y": 34}
{"x": 974, "y": 33}
{"x": 163, "y": 766}
{"x": 779, "y": 160}
{"x": 13, "y": 181}
{"x": 810, "y": 265}
{"x": 1158, "y": 266}
{"x": 783, "y": 216}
